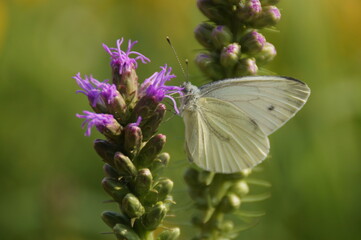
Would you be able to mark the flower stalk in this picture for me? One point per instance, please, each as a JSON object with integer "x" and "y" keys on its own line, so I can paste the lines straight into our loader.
{"x": 128, "y": 115}
{"x": 233, "y": 47}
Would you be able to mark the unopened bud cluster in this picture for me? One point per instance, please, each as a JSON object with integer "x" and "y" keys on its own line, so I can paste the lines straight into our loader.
{"x": 233, "y": 45}
{"x": 215, "y": 195}
{"x": 128, "y": 115}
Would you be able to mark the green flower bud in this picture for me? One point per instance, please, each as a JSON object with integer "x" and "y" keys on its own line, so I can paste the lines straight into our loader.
{"x": 115, "y": 188}
{"x": 238, "y": 175}
{"x": 205, "y": 177}
{"x": 203, "y": 34}
{"x": 212, "y": 11}
{"x": 230, "y": 203}
{"x": 112, "y": 130}
{"x": 160, "y": 162}
{"x": 124, "y": 165}
{"x": 154, "y": 216}
{"x": 191, "y": 178}
{"x": 143, "y": 181}
{"x": 123, "y": 232}
{"x": 209, "y": 66}
{"x": 246, "y": 66}
{"x": 112, "y": 218}
{"x": 218, "y": 189}
{"x": 132, "y": 206}
{"x": 144, "y": 108}
{"x": 110, "y": 171}
{"x": 267, "y": 54}
{"x": 118, "y": 108}
{"x": 151, "y": 198}
{"x": 230, "y": 55}
{"x": 150, "y": 151}
{"x": 253, "y": 42}
{"x": 221, "y": 36}
{"x": 270, "y": 16}
{"x": 164, "y": 187}
{"x": 226, "y": 226}
{"x": 132, "y": 139}
{"x": 269, "y": 2}
{"x": 150, "y": 126}
{"x": 240, "y": 188}
{"x": 127, "y": 85}
{"x": 169, "y": 234}
{"x": 105, "y": 150}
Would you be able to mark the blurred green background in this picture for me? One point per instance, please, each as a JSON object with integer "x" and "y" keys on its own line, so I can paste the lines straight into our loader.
{"x": 50, "y": 176}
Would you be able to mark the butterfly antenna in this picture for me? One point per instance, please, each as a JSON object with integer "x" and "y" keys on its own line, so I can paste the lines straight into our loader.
{"x": 176, "y": 55}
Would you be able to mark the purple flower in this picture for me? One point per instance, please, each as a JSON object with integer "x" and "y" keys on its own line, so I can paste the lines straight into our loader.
{"x": 255, "y": 5}
{"x": 155, "y": 86}
{"x": 95, "y": 119}
{"x": 97, "y": 92}
{"x": 122, "y": 60}
{"x": 136, "y": 124}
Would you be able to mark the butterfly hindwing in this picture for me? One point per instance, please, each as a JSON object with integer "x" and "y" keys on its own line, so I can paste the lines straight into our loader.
{"x": 222, "y": 138}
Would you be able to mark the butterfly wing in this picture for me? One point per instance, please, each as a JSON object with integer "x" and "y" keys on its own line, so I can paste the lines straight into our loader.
{"x": 222, "y": 138}
{"x": 269, "y": 100}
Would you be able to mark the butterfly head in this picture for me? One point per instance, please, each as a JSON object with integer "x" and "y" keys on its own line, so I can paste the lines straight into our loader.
{"x": 191, "y": 94}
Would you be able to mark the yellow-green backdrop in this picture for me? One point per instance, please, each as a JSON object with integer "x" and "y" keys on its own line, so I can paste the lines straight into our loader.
{"x": 50, "y": 176}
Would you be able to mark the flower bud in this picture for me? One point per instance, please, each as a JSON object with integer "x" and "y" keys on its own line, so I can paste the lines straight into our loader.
{"x": 226, "y": 226}
{"x": 143, "y": 181}
{"x": 238, "y": 175}
{"x": 115, "y": 188}
{"x": 112, "y": 218}
{"x": 205, "y": 177}
{"x": 124, "y": 165}
{"x": 151, "y": 198}
{"x": 132, "y": 206}
{"x": 154, "y": 216}
{"x": 246, "y": 66}
{"x": 211, "y": 10}
{"x": 270, "y": 16}
{"x": 209, "y": 66}
{"x": 240, "y": 188}
{"x": 218, "y": 189}
{"x": 191, "y": 177}
{"x": 253, "y": 42}
{"x": 230, "y": 55}
{"x": 164, "y": 187}
{"x": 150, "y": 151}
{"x": 110, "y": 171}
{"x": 160, "y": 162}
{"x": 230, "y": 203}
{"x": 123, "y": 232}
{"x": 111, "y": 130}
{"x": 150, "y": 127}
{"x": 144, "y": 108}
{"x": 105, "y": 150}
{"x": 267, "y": 54}
{"x": 249, "y": 10}
{"x": 118, "y": 108}
{"x": 132, "y": 139}
{"x": 169, "y": 234}
{"x": 221, "y": 36}
{"x": 203, "y": 34}
{"x": 127, "y": 84}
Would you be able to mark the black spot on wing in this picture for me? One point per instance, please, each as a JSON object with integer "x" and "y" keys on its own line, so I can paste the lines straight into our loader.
{"x": 293, "y": 79}
{"x": 271, "y": 108}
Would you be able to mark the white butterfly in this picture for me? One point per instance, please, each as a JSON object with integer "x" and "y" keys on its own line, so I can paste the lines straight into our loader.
{"x": 227, "y": 122}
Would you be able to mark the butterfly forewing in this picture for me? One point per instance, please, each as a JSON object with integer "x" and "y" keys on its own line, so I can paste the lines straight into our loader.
{"x": 222, "y": 138}
{"x": 269, "y": 100}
